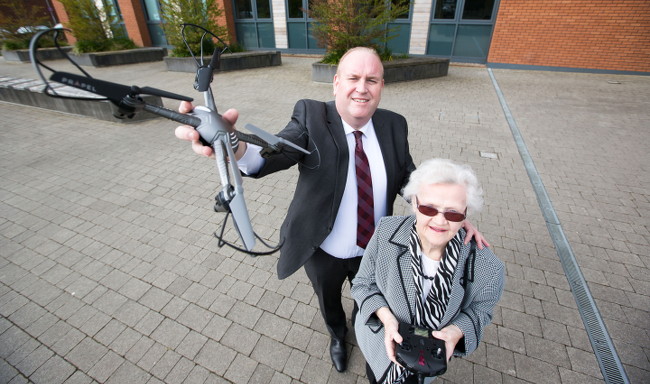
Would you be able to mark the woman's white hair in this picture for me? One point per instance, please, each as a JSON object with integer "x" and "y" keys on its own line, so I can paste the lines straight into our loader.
{"x": 443, "y": 171}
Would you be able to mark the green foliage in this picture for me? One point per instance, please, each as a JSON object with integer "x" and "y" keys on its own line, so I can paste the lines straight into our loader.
{"x": 236, "y": 47}
{"x": 12, "y": 45}
{"x": 97, "y": 29}
{"x": 344, "y": 24}
{"x": 203, "y": 13}
{"x": 14, "y": 18}
{"x": 118, "y": 44}
{"x": 44, "y": 42}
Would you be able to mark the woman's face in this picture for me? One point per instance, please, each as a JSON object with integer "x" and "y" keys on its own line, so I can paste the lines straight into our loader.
{"x": 435, "y": 232}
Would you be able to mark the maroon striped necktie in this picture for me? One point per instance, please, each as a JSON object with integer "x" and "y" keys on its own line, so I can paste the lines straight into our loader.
{"x": 365, "y": 207}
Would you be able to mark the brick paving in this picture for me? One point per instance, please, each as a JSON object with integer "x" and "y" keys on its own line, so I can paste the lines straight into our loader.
{"x": 109, "y": 271}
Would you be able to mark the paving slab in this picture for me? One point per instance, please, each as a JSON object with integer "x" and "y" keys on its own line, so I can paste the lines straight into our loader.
{"x": 109, "y": 270}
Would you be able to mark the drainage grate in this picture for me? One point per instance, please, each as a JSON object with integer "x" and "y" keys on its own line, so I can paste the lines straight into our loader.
{"x": 610, "y": 364}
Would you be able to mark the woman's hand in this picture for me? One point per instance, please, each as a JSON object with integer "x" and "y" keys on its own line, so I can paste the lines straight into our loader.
{"x": 473, "y": 232}
{"x": 391, "y": 332}
{"x": 451, "y": 334}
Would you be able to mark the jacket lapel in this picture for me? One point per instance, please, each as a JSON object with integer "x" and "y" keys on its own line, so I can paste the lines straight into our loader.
{"x": 383, "y": 132}
{"x": 335, "y": 127}
{"x": 338, "y": 148}
{"x": 401, "y": 238}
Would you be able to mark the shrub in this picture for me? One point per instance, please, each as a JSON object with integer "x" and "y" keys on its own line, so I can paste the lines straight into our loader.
{"x": 344, "y": 24}
{"x": 118, "y": 44}
{"x": 203, "y": 13}
{"x": 19, "y": 23}
{"x": 97, "y": 29}
{"x": 43, "y": 42}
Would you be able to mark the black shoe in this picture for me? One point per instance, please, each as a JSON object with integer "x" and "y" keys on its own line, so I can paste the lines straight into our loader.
{"x": 339, "y": 354}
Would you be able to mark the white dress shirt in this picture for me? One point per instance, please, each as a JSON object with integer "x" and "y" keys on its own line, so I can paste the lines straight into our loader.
{"x": 342, "y": 241}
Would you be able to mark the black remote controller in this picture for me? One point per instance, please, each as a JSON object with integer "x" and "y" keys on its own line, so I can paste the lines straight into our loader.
{"x": 420, "y": 352}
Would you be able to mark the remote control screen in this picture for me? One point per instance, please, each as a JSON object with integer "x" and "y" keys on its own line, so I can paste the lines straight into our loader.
{"x": 421, "y": 332}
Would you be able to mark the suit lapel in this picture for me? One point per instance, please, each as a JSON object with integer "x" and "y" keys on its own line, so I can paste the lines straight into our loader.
{"x": 335, "y": 127}
{"x": 384, "y": 136}
{"x": 339, "y": 149}
{"x": 401, "y": 238}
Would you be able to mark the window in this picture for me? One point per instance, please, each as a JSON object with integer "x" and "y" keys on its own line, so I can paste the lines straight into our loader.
{"x": 461, "y": 29}
{"x": 445, "y": 9}
{"x": 478, "y": 9}
{"x": 253, "y": 23}
{"x": 405, "y": 15}
{"x": 263, "y": 9}
{"x": 243, "y": 9}
{"x": 295, "y": 8}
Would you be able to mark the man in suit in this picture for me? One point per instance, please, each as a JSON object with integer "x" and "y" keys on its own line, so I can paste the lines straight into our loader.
{"x": 320, "y": 229}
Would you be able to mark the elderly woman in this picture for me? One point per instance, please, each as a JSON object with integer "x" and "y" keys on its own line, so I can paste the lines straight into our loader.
{"x": 412, "y": 272}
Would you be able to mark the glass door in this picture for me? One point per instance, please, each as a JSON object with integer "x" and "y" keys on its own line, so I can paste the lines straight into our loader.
{"x": 462, "y": 29}
{"x": 400, "y": 29}
{"x": 254, "y": 24}
{"x": 154, "y": 23}
{"x": 299, "y": 26}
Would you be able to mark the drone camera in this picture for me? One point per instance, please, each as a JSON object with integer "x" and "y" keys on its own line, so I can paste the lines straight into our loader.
{"x": 203, "y": 78}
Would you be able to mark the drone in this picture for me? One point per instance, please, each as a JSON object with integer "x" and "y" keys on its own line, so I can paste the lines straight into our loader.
{"x": 213, "y": 130}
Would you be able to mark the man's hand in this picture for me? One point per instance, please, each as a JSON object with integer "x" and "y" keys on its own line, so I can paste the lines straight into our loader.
{"x": 473, "y": 232}
{"x": 188, "y": 133}
{"x": 451, "y": 334}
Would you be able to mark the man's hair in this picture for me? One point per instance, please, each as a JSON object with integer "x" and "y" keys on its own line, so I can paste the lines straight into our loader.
{"x": 370, "y": 50}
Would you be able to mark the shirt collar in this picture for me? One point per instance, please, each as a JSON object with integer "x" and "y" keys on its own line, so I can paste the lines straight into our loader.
{"x": 367, "y": 127}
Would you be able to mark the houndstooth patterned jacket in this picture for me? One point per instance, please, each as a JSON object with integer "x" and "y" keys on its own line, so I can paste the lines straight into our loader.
{"x": 385, "y": 279}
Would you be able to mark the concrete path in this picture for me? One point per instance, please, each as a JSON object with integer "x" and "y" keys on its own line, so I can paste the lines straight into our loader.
{"x": 109, "y": 271}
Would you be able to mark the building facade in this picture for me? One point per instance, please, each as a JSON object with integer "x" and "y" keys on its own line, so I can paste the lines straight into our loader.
{"x": 581, "y": 35}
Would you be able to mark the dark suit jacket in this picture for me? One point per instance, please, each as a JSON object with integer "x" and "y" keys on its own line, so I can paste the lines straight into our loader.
{"x": 317, "y": 127}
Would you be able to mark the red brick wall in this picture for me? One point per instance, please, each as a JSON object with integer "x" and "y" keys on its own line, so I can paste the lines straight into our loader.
{"x": 135, "y": 22}
{"x": 62, "y": 15}
{"x": 595, "y": 34}
{"x": 227, "y": 19}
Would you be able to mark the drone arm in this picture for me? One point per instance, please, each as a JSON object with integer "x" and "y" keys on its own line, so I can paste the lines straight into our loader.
{"x": 251, "y": 139}
{"x": 195, "y": 122}
{"x": 173, "y": 115}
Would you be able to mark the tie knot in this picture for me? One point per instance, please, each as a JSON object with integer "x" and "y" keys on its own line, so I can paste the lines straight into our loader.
{"x": 357, "y": 136}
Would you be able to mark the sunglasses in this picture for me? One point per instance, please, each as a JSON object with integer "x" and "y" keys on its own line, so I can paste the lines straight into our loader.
{"x": 430, "y": 211}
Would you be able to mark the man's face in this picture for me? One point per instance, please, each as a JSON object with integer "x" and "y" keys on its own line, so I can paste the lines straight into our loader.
{"x": 357, "y": 87}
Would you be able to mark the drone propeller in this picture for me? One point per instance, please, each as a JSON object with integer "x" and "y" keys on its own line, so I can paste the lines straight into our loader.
{"x": 112, "y": 91}
{"x": 272, "y": 139}
{"x": 159, "y": 92}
